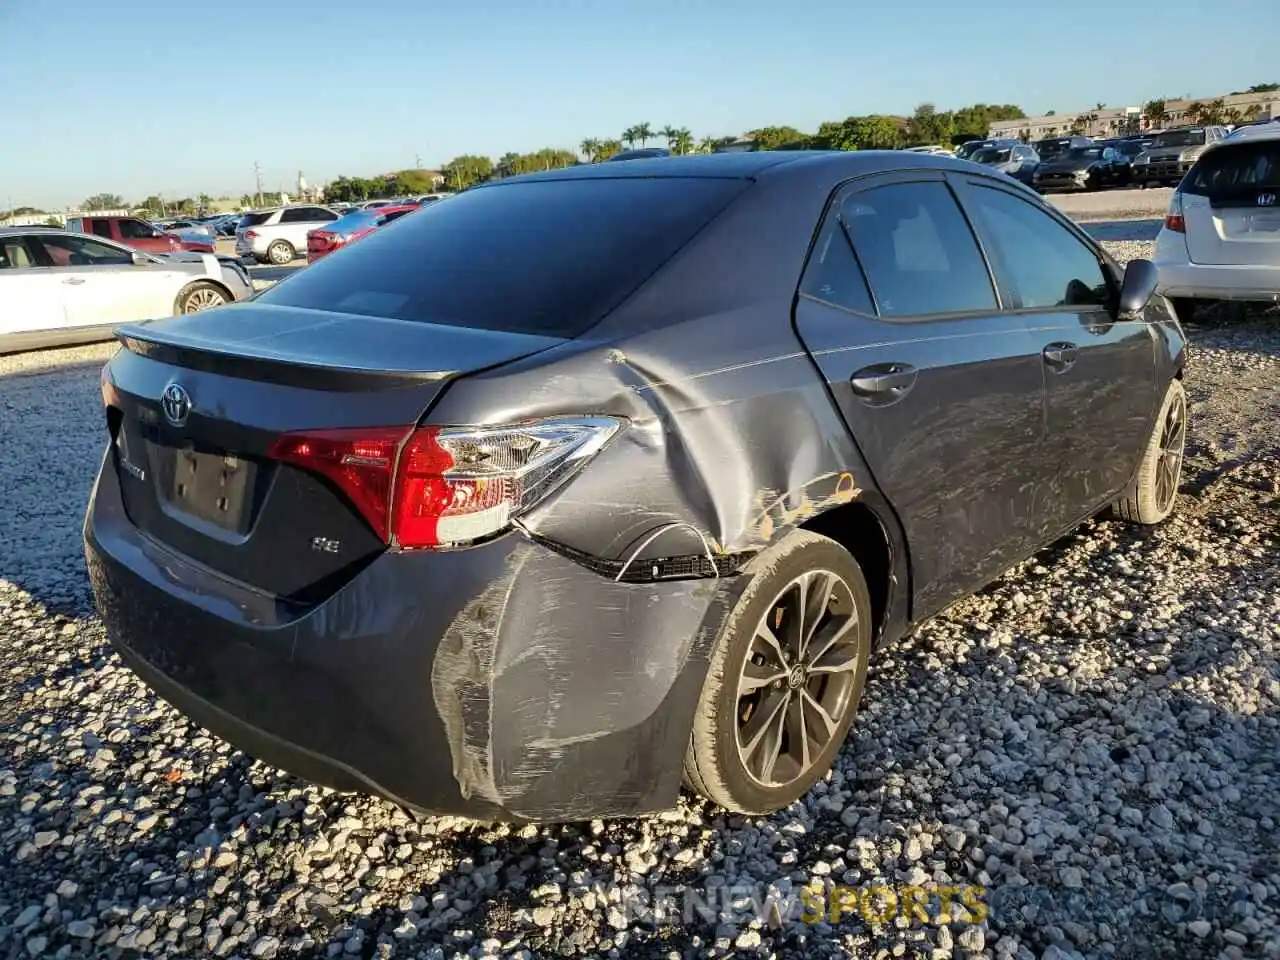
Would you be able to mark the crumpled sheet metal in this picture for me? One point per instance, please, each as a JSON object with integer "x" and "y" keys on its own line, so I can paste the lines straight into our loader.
{"x": 564, "y": 696}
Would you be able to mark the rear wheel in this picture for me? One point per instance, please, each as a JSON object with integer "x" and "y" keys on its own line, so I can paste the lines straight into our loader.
{"x": 1155, "y": 489}
{"x": 198, "y": 296}
{"x": 785, "y": 678}
{"x": 281, "y": 252}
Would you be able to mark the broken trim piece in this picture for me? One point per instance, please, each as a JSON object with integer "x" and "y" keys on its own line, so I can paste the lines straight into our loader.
{"x": 686, "y": 567}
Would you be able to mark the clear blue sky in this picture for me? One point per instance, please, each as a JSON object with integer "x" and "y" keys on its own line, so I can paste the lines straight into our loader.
{"x": 144, "y": 96}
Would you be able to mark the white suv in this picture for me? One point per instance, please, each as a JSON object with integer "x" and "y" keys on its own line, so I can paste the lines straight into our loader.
{"x": 1221, "y": 236}
{"x": 278, "y": 235}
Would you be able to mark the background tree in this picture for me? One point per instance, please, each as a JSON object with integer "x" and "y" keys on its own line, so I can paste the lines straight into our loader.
{"x": 682, "y": 141}
{"x": 104, "y": 201}
{"x": 590, "y": 148}
{"x": 153, "y": 205}
{"x": 774, "y": 138}
{"x": 608, "y": 148}
{"x": 204, "y": 201}
{"x": 1155, "y": 113}
{"x": 928, "y": 126}
{"x": 644, "y": 133}
{"x": 630, "y": 136}
{"x": 1196, "y": 112}
{"x": 467, "y": 170}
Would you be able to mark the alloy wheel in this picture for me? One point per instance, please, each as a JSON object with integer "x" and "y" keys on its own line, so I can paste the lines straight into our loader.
{"x": 203, "y": 299}
{"x": 1173, "y": 436}
{"x": 798, "y": 678}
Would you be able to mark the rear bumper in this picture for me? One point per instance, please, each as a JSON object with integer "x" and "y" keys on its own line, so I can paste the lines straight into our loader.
{"x": 1181, "y": 278}
{"x": 1165, "y": 171}
{"x": 499, "y": 682}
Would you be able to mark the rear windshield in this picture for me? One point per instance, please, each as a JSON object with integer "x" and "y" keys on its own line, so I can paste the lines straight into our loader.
{"x": 544, "y": 257}
{"x": 255, "y": 219}
{"x": 1238, "y": 172}
{"x": 1179, "y": 138}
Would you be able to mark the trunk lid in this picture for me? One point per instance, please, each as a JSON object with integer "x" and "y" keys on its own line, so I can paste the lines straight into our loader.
{"x": 195, "y": 403}
{"x": 1231, "y": 205}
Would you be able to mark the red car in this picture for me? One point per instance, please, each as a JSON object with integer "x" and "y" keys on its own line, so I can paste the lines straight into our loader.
{"x": 137, "y": 233}
{"x": 352, "y": 227}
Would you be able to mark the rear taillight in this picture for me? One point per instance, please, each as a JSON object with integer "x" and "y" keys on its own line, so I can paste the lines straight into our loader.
{"x": 441, "y": 486}
{"x": 250, "y": 234}
{"x": 1173, "y": 220}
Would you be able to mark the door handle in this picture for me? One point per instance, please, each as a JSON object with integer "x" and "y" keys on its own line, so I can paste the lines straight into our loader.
{"x": 1059, "y": 356}
{"x": 74, "y": 280}
{"x": 884, "y": 382}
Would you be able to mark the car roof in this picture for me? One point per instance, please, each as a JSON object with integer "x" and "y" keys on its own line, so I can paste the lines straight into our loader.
{"x": 1250, "y": 134}
{"x": 33, "y": 228}
{"x": 837, "y": 165}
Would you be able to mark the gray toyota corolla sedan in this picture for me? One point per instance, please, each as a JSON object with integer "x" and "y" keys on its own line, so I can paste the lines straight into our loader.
{"x": 541, "y": 501}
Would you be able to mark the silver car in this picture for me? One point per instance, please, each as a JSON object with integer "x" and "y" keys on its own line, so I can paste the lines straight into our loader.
{"x": 58, "y": 287}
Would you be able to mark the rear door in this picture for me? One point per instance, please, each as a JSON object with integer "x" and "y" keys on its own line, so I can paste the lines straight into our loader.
{"x": 1100, "y": 372}
{"x": 942, "y": 389}
{"x": 1231, "y": 204}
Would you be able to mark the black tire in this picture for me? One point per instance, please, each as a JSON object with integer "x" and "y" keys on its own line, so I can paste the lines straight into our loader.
{"x": 714, "y": 764}
{"x": 1184, "y": 308}
{"x": 201, "y": 295}
{"x": 281, "y": 252}
{"x": 1151, "y": 499}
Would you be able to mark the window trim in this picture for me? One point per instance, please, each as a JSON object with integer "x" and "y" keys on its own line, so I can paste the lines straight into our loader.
{"x": 874, "y": 181}
{"x": 967, "y": 183}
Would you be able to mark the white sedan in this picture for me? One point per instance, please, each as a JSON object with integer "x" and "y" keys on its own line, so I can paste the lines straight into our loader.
{"x": 59, "y": 288}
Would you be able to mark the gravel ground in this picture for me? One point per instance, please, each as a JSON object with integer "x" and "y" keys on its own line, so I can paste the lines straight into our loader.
{"x": 1094, "y": 739}
{"x": 1114, "y": 204}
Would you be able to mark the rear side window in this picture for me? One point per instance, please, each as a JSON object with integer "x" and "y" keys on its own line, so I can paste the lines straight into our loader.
{"x": 255, "y": 219}
{"x": 101, "y": 228}
{"x": 1242, "y": 173}
{"x": 833, "y": 275}
{"x": 918, "y": 252}
{"x": 544, "y": 257}
{"x": 1043, "y": 263}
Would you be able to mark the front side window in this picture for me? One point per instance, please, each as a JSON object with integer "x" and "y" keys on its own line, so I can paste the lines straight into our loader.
{"x": 918, "y": 252}
{"x": 71, "y": 251}
{"x": 1043, "y": 263}
{"x": 136, "y": 230}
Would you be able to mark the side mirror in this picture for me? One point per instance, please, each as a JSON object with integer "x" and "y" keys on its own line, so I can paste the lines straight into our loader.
{"x": 140, "y": 259}
{"x": 1140, "y": 278}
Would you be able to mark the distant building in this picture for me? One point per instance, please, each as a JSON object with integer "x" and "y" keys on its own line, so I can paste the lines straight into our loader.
{"x": 1116, "y": 121}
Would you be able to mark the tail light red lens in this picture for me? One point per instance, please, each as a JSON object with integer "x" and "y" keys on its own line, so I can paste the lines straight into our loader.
{"x": 250, "y": 234}
{"x": 1173, "y": 220}
{"x": 438, "y": 486}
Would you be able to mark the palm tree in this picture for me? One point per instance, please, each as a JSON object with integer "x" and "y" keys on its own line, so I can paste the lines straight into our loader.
{"x": 682, "y": 143}
{"x": 1155, "y": 113}
{"x": 669, "y": 134}
{"x": 590, "y": 147}
{"x": 608, "y": 148}
{"x": 644, "y": 133}
{"x": 1196, "y": 112}
{"x": 630, "y": 136}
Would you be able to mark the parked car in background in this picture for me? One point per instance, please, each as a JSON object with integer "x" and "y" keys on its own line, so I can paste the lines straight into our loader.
{"x": 966, "y": 150}
{"x": 1051, "y": 148}
{"x": 59, "y": 287}
{"x": 1016, "y": 160}
{"x": 547, "y": 500}
{"x": 1221, "y": 236}
{"x": 138, "y": 234}
{"x": 1084, "y": 168}
{"x": 346, "y": 230}
{"x": 279, "y": 234}
{"x": 1173, "y": 152}
{"x": 1258, "y": 128}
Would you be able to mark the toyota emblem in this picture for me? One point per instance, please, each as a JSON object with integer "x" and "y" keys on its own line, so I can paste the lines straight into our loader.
{"x": 176, "y": 404}
{"x": 1266, "y": 199}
